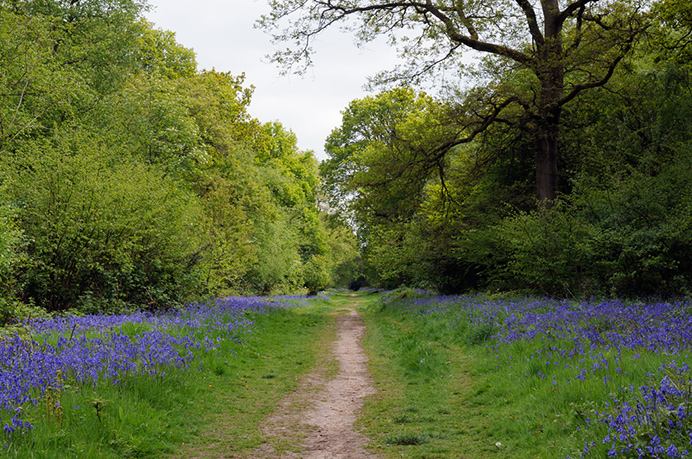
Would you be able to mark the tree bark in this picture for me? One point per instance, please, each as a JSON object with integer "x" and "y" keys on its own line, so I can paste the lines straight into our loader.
{"x": 546, "y": 144}
{"x": 551, "y": 73}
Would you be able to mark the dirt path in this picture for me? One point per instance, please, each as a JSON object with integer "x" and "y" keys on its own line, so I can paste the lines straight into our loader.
{"x": 323, "y": 410}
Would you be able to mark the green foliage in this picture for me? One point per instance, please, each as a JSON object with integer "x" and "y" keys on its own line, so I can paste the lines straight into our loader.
{"x": 35, "y": 89}
{"x": 101, "y": 231}
{"x": 377, "y": 175}
{"x": 630, "y": 241}
{"x": 624, "y": 228}
{"x": 91, "y": 40}
{"x": 345, "y": 262}
{"x": 10, "y": 257}
{"x": 672, "y": 38}
{"x": 292, "y": 239}
{"x": 316, "y": 274}
{"x": 542, "y": 251}
{"x": 558, "y": 52}
{"x": 278, "y": 268}
{"x": 148, "y": 119}
{"x": 136, "y": 179}
{"x": 620, "y": 228}
{"x": 160, "y": 53}
{"x": 378, "y": 161}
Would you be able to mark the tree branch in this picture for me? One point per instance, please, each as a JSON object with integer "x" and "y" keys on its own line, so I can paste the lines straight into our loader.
{"x": 578, "y": 32}
{"x": 571, "y": 8}
{"x": 472, "y": 41}
{"x": 576, "y": 89}
{"x": 531, "y": 21}
{"x": 466, "y": 21}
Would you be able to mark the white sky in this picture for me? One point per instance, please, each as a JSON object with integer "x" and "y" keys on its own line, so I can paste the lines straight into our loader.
{"x": 222, "y": 34}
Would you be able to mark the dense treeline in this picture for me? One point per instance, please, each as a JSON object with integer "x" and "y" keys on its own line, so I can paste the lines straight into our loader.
{"x": 131, "y": 178}
{"x": 443, "y": 189}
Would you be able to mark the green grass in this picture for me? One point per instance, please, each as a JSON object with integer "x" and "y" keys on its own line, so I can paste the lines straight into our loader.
{"x": 442, "y": 393}
{"x": 422, "y": 407}
{"x": 442, "y": 381}
{"x": 439, "y": 398}
{"x": 464, "y": 407}
{"x": 210, "y": 407}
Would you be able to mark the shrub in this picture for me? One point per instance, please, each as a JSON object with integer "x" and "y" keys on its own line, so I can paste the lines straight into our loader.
{"x": 100, "y": 231}
{"x": 635, "y": 240}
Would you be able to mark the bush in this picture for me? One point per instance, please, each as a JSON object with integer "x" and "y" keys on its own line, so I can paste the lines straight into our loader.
{"x": 10, "y": 244}
{"x": 102, "y": 232}
{"x": 635, "y": 240}
{"x": 316, "y": 274}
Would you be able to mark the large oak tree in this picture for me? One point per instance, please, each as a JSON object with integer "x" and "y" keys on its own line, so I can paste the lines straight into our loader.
{"x": 566, "y": 47}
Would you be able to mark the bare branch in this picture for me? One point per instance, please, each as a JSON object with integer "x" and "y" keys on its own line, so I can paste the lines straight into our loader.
{"x": 333, "y": 13}
{"x": 455, "y": 35}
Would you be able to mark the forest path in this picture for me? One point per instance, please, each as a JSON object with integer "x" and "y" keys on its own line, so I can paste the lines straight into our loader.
{"x": 325, "y": 409}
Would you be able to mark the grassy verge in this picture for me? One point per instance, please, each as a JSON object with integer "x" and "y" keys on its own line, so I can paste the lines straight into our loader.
{"x": 213, "y": 406}
{"x": 423, "y": 379}
{"x": 449, "y": 388}
{"x": 237, "y": 396}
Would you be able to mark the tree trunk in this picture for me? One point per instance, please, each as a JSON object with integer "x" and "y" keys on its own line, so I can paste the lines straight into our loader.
{"x": 546, "y": 163}
{"x": 551, "y": 74}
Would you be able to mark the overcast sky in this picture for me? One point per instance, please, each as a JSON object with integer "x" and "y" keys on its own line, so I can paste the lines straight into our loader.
{"x": 222, "y": 34}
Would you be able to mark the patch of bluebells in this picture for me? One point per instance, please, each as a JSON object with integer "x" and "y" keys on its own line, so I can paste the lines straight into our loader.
{"x": 586, "y": 340}
{"x": 299, "y": 300}
{"x": 93, "y": 349}
{"x": 658, "y": 423}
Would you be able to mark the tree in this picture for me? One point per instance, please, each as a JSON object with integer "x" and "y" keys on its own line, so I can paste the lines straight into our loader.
{"x": 375, "y": 147}
{"x": 60, "y": 58}
{"x": 159, "y": 52}
{"x": 94, "y": 37}
{"x": 563, "y": 47}
{"x": 375, "y": 177}
{"x": 675, "y": 27}
{"x": 290, "y": 225}
{"x": 33, "y": 85}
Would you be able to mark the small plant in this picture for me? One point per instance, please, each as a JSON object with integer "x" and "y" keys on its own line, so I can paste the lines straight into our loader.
{"x": 401, "y": 418}
{"x": 480, "y": 334}
{"x": 407, "y": 439}
{"x": 661, "y": 416}
{"x": 53, "y": 399}
{"x": 219, "y": 369}
{"x": 99, "y": 405}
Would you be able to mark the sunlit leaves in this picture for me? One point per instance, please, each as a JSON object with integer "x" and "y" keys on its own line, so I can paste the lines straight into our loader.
{"x": 380, "y": 144}
{"x": 159, "y": 52}
{"x": 101, "y": 226}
